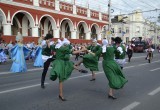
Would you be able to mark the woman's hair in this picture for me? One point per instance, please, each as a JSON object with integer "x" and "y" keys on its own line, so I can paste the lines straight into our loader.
{"x": 118, "y": 40}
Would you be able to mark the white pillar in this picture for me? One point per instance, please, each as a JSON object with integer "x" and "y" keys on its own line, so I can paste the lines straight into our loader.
{"x": 99, "y": 36}
{"x": 56, "y": 33}
{"x": 100, "y": 16}
{"x": 35, "y": 31}
{"x": 36, "y": 2}
{"x": 73, "y": 34}
{"x": 88, "y": 35}
{"x": 88, "y": 13}
{"x": 7, "y": 29}
{"x": 57, "y": 5}
{"x": 74, "y": 9}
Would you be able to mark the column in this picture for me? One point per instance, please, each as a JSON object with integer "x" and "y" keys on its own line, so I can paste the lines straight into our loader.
{"x": 36, "y": 2}
{"x": 56, "y": 33}
{"x": 35, "y": 31}
{"x": 99, "y": 36}
{"x": 88, "y": 35}
{"x": 7, "y": 29}
{"x": 57, "y": 5}
{"x": 100, "y": 16}
{"x": 74, "y": 9}
{"x": 88, "y": 13}
{"x": 73, "y": 34}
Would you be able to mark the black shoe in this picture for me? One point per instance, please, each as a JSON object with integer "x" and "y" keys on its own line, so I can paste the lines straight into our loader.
{"x": 42, "y": 86}
{"x": 62, "y": 98}
{"x": 93, "y": 79}
{"x": 83, "y": 71}
{"x": 112, "y": 97}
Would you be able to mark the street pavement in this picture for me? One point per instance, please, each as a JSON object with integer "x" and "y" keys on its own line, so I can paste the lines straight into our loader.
{"x": 22, "y": 91}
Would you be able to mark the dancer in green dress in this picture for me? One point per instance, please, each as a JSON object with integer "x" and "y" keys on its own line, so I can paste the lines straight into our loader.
{"x": 62, "y": 67}
{"x": 112, "y": 70}
{"x": 120, "y": 52}
{"x": 90, "y": 60}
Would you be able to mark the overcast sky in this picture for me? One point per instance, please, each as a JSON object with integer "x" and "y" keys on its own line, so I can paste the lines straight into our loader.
{"x": 123, "y": 6}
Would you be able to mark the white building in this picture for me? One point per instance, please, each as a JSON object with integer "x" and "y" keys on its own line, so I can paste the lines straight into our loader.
{"x": 134, "y": 26}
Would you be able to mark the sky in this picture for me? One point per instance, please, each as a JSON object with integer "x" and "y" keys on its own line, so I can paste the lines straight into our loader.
{"x": 123, "y": 6}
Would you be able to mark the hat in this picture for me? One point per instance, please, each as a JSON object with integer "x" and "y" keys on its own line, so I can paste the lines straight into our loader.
{"x": 48, "y": 36}
{"x": 118, "y": 40}
{"x": 112, "y": 38}
{"x": 19, "y": 36}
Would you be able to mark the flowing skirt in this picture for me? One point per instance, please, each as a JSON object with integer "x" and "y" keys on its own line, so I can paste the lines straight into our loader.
{"x": 114, "y": 74}
{"x": 90, "y": 62}
{"x": 61, "y": 69}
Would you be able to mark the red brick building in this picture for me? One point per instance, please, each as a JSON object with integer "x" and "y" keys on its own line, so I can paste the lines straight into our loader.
{"x": 34, "y": 18}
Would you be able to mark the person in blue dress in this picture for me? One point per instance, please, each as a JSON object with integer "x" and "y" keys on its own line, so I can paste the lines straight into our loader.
{"x": 18, "y": 54}
{"x": 38, "y": 54}
{"x": 3, "y": 56}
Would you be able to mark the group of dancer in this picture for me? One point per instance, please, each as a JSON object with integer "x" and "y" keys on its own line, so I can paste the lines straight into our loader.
{"x": 62, "y": 67}
{"x": 58, "y": 56}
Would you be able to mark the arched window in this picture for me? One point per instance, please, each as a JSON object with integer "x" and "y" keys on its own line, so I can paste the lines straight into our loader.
{"x": 93, "y": 32}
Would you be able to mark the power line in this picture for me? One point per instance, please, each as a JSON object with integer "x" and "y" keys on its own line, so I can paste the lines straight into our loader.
{"x": 147, "y": 4}
{"x": 142, "y": 4}
{"x": 127, "y": 3}
{"x": 138, "y": 12}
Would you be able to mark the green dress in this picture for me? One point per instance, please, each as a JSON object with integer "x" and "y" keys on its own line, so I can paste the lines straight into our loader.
{"x": 112, "y": 70}
{"x": 117, "y": 53}
{"x": 91, "y": 61}
{"x": 62, "y": 67}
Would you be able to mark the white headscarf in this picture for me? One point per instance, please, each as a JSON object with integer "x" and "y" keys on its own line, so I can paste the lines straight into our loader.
{"x": 94, "y": 40}
{"x": 65, "y": 41}
{"x": 43, "y": 43}
{"x": 51, "y": 43}
{"x": 104, "y": 43}
{"x": 120, "y": 50}
{"x": 59, "y": 44}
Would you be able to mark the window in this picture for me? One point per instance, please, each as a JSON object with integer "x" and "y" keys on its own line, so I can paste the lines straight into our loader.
{"x": 120, "y": 30}
{"x": 127, "y": 30}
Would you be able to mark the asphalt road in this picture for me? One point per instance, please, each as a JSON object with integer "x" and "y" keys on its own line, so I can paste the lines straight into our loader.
{"x": 21, "y": 91}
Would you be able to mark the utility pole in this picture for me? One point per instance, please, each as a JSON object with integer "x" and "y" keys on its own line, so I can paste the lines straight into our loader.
{"x": 109, "y": 19}
{"x": 156, "y": 35}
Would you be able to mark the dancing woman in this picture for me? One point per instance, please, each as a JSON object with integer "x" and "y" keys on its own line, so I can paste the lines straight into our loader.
{"x": 18, "y": 54}
{"x": 112, "y": 70}
{"x": 62, "y": 67}
{"x": 90, "y": 60}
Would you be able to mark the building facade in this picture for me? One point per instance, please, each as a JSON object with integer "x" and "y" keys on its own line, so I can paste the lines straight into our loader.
{"x": 34, "y": 18}
{"x": 135, "y": 26}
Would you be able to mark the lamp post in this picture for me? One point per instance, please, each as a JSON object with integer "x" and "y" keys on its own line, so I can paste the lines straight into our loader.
{"x": 109, "y": 18}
